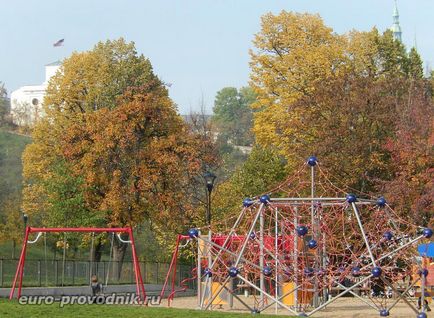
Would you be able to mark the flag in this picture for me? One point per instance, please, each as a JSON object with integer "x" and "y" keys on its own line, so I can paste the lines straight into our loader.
{"x": 59, "y": 43}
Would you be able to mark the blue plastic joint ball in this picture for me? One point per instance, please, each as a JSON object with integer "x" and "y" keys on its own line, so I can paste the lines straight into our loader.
{"x": 252, "y": 235}
{"x": 256, "y": 311}
{"x": 308, "y": 271}
{"x": 376, "y": 272}
{"x": 267, "y": 271}
{"x": 355, "y": 271}
{"x": 381, "y": 202}
{"x": 384, "y": 313}
{"x": 208, "y": 272}
{"x": 424, "y": 272}
{"x": 388, "y": 235}
{"x": 233, "y": 272}
{"x": 427, "y": 233}
{"x": 312, "y": 161}
{"x": 351, "y": 198}
{"x": 247, "y": 202}
{"x": 422, "y": 315}
{"x": 193, "y": 233}
{"x": 265, "y": 199}
{"x": 321, "y": 271}
{"x": 312, "y": 244}
{"x": 301, "y": 230}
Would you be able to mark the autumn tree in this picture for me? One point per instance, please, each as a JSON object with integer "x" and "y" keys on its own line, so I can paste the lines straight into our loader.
{"x": 411, "y": 190}
{"x": 293, "y": 53}
{"x": 11, "y": 225}
{"x": 328, "y": 94}
{"x": 112, "y": 150}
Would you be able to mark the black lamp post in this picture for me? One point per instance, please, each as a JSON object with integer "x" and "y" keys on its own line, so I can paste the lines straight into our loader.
{"x": 209, "y": 180}
{"x": 25, "y": 219}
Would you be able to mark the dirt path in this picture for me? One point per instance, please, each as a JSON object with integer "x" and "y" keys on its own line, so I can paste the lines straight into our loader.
{"x": 341, "y": 308}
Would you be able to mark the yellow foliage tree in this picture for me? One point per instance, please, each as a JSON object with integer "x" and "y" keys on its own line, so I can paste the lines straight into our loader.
{"x": 112, "y": 149}
{"x": 327, "y": 94}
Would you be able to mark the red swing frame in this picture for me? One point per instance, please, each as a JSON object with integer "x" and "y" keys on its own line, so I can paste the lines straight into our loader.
{"x": 140, "y": 287}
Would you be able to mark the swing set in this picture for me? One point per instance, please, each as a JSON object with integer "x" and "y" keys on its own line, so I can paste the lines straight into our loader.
{"x": 140, "y": 287}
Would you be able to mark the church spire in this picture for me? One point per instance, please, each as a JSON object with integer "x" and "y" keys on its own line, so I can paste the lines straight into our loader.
{"x": 396, "y": 28}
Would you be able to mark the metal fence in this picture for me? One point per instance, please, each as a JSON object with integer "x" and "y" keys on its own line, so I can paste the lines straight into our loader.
{"x": 75, "y": 273}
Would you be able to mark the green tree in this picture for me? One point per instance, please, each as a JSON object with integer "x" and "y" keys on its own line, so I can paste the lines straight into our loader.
{"x": 233, "y": 115}
{"x": 415, "y": 67}
{"x": 4, "y": 107}
{"x": 262, "y": 169}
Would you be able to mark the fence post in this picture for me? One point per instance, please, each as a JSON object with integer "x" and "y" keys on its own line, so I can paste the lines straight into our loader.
{"x": 56, "y": 272}
{"x": 132, "y": 272}
{"x": 73, "y": 272}
{"x": 103, "y": 272}
{"x": 1, "y": 272}
{"x": 144, "y": 271}
{"x": 39, "y": 273}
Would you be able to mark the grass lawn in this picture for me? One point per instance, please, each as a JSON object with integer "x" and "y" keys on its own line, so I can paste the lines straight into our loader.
{"x": 13, "y": 309}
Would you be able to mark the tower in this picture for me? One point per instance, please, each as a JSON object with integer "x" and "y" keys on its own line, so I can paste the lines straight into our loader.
{"x": 396, "y": 28}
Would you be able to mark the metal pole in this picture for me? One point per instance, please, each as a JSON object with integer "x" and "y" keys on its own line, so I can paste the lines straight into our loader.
{"x": 202, "y": 299}
{"x": 339, "y": 295}
{"x": 237, "y": 222}
{"x": 314, "y": 232}
{"x": 422, "y": 296}
{"x": 261, "y": 256}
{"x": 399, "y": 295}
{"x": 397, "y": 250}
{"x": 246, "y": 239}
{"x": 239, "y": 299}
{"x": 276, "y": 286}
{"x": 295, "y": 252}
{"x": 209, "y": 279}
{"x": 374, "y": 306}
{"x": 223, "y": 285}
{"x": 281, "y": 297}
{"x": 403, "y": 293}
{"x": 362, "y": 230}
{"x": 199, "y": 272}
{"x": 240, "y": 255}
{"x": 266, "y": 294}
{"x": 231, "y": 253}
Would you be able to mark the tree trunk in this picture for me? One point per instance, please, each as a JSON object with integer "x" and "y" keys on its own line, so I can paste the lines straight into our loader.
{"x": 96, "y": 256}
{"x": 119, "y": 250}
{"x": 14, "y": 244}
{"x": 97, "y": 251}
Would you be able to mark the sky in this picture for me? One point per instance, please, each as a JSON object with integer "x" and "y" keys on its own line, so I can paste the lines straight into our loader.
{"x": 199, "y": 46}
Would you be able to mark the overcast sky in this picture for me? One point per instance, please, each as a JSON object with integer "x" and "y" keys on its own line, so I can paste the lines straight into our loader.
{"x": 199, "y": 46}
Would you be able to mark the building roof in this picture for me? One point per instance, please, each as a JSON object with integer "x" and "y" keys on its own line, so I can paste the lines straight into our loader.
{"x": 396, "y": 28}
{"x": 57, "y": 63}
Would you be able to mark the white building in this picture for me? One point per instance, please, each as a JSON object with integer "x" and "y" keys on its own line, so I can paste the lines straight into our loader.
{"x": 26, "y": 102}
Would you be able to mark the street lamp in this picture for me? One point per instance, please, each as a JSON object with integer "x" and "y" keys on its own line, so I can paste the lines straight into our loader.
{"x": 209, "y": 180}
{"x": 25, "y": 219}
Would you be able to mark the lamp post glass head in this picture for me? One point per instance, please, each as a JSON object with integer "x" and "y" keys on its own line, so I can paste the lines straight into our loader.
{"x": 209, "y": 179}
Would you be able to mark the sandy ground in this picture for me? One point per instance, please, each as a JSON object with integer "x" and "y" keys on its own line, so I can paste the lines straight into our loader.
{"x": 343, "y": 307}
